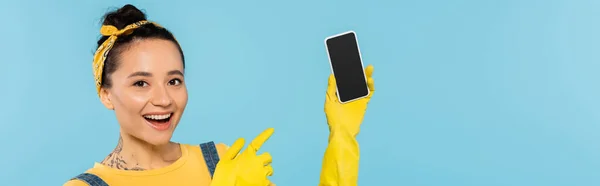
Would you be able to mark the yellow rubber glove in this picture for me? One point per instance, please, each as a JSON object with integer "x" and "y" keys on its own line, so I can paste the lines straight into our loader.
{"x": 246, "y": 168}
{"x": 340, "y": 163}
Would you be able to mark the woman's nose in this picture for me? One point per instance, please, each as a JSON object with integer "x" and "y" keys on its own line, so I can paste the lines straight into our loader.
{"x": 161, "y": 97}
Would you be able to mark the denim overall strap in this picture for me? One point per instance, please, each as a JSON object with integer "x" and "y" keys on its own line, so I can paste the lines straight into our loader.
{"x": 90, "y": 179}
{"x": 209, "y": 151}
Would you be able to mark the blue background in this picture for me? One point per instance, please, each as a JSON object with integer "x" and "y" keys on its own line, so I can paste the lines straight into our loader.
{"x": 469, "y": 93}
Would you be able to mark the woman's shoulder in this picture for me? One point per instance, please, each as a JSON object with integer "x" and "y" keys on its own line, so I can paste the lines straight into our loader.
{"x": 75, "y": 183}
{"x": 195, "y": 148}
{"x": 77, "y": 180}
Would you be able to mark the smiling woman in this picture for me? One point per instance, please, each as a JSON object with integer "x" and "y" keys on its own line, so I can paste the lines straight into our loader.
{"x": 139, "y": 71}
{"x": 147, "y": 90}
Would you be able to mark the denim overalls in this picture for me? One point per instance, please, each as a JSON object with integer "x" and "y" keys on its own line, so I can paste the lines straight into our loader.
{"x": 209, "y": 151}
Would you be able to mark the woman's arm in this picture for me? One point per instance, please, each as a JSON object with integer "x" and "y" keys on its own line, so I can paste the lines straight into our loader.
{"x": 340, "y": 163}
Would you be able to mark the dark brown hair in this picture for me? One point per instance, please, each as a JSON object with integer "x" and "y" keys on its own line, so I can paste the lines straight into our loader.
{"x": 120, "y": 18}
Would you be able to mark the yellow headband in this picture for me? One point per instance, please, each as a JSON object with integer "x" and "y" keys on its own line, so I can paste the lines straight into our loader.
{"x": 102, "y": 52}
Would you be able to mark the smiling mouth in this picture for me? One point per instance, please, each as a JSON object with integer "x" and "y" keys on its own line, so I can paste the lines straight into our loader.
{"x": 159, "y": 121}
{"x": 159, "y": 118}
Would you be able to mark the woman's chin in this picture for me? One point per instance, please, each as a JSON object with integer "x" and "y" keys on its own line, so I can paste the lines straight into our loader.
{"x": 158, "y": 140}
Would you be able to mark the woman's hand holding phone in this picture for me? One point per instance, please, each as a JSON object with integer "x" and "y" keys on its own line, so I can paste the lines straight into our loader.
{"x": 348, "y": 116}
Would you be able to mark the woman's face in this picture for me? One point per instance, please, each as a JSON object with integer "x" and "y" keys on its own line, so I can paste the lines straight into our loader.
{"x": 148, "y": 92}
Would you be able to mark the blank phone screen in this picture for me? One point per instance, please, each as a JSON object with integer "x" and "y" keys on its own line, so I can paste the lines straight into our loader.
{"x": 347, "y": 67}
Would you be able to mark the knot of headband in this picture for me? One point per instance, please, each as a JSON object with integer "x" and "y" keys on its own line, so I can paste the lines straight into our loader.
{"x": 102, "y": 51}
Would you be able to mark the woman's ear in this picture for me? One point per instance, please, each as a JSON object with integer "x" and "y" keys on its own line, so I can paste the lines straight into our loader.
{"x": 105, "y": 98}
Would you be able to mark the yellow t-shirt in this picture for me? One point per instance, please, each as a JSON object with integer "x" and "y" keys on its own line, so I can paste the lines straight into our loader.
{"x": 190, "y": 169}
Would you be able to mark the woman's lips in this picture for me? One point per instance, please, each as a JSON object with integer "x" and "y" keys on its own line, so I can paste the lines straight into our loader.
{"x": 159, "y": 122}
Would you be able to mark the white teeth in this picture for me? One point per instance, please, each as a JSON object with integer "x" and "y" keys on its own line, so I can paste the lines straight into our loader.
{"x": 158, "y": 117}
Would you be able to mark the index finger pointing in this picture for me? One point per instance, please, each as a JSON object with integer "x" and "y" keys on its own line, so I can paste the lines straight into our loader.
{"x": 261, "y": 139}
{"x": 234, "y": 149}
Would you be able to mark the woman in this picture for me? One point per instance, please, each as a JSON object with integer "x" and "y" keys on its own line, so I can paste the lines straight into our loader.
{"x": 139, "y": 72}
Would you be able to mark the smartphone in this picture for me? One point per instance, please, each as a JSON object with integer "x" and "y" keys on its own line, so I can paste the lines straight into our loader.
{"x": 347, "y": 66}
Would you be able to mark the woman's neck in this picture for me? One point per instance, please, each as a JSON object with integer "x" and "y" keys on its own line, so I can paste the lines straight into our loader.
{"x": 137, "y": 155}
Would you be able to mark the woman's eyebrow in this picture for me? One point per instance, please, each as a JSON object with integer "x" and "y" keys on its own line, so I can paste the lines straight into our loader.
{"x": 140, "y": 73}
{"x": 175, "y": 72}
{"x": 148, "y": 74}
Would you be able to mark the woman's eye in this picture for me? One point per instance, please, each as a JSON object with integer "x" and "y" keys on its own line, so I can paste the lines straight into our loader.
{"x": 140, "y": 84}
{"x": 175, "y": 82}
